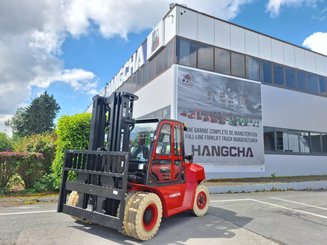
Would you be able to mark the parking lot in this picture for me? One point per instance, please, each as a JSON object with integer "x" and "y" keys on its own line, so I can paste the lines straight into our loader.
{"x": 245, "y": 218}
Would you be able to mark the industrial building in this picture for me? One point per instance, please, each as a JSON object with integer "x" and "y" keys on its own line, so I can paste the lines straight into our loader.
{"x": 254, "y": 105}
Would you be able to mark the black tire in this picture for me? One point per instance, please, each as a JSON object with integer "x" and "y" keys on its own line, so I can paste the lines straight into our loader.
{"x": 72, "y": 201}
{"x": 201, "y": 201}
{"x": 144, "y": 216}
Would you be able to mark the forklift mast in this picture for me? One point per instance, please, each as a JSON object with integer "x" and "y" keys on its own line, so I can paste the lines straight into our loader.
{"x": 112, "y": 120}
{"x": 102, "y": 170}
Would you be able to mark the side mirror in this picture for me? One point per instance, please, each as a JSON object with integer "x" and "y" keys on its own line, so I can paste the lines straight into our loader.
{"x": 189, "y": 158}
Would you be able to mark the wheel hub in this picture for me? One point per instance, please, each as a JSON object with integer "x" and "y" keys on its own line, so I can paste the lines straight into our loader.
{"x": 202, "y": 200}
{"x": 150, "y": 217}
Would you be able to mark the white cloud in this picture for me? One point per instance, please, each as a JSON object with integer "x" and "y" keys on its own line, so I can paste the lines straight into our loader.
{"x": 32, "y": 33}
{"x": 274, "y": 6}
{"x": 317, "y": 42}
{"x": 78, "y": 79}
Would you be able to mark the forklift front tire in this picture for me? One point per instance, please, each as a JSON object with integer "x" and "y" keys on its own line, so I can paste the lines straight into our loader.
{"x": 128, "y": 203}
{"x": 145, "y": 216}
{"x": 201, "y": 201}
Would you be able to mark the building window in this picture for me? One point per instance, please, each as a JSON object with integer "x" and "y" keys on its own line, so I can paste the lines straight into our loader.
{"x": 237, "y": 65}
{"x": 159, "y": 63}
{"x": 169, "y": 55}
{"x": 281, "y": 141}
{"x": 269, "y": 139}
{"x": 186, "y": 53}
{"x": 139, "y": 78}
{"x": 315, "y": 142}
{"x": 132, "y": 85}
{"x": 294, "y": 141}
{"x": 266, "y": 72}
{"x": 304, "y": 142}
{"x": 252, "y": 68}
{"x": 290, "y": 77}
{"x": 222, "y": 61}
{"x": 146, "y": 73}
{"x": 324, "y": 142}
{"x": 312, "y": 83}
{"x": 279, "y": 74}
{"x": 205, "y": 58}
{"x": 322, "y": 86}
{"x": 152, "y": 66}
{"x": 301, "y": 81}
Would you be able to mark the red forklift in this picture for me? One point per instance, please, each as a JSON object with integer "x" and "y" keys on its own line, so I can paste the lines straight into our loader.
{"x": 134, "y": 172}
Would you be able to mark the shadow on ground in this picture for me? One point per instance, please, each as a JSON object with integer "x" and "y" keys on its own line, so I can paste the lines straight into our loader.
{"x": 178, "y": 229}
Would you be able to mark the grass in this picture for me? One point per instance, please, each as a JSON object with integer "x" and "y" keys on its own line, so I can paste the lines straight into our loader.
{"x": 16, "y": 194}
{"x": 27, "y": 198}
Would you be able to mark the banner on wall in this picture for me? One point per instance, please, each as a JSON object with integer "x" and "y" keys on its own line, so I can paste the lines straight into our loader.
{"x": 223, "y": 117}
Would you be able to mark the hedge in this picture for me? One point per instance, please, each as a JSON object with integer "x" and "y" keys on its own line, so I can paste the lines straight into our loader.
{"x": 39, "y": 143}
{"x": 28, "y": 165}
{"x": 72, "y": 134}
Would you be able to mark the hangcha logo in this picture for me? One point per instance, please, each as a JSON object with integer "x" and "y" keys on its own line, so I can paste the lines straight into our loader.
{"x": 131, "y": 66}
{"x": 177, "y": 194}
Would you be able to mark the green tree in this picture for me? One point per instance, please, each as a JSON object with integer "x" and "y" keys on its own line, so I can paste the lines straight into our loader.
{"x": 5, "y": 142}
{"x": 36, "y": 118}
{"x": 72, "y": 134}
{"x": 17, "y": 123}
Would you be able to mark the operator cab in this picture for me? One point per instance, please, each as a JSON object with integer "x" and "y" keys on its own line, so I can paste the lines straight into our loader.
{"x": 156, "y": 152}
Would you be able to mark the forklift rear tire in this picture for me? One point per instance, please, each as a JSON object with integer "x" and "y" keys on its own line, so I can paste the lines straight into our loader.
{"x": 72, "y": 201}
{"x": 201, "y": 201}
{"x": 145, "y": 216}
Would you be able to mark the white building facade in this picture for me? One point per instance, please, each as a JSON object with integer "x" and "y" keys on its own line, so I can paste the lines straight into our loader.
{"x": 255, "y": 106}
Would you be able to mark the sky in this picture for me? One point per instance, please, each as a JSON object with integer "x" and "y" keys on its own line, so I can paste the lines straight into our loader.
{"x": 72, "y": 48}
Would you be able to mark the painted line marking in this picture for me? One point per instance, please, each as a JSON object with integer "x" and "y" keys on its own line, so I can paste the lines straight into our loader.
{"x": 300, "y": 203}
{"x": 271, "y": 204}
{"x": 291, "y": 209}
{"x": 32, "y": 212}
{"x": 231, "y": 200}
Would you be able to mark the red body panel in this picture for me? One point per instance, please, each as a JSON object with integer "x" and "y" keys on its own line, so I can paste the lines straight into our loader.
{"x": 177, "y": 198}
{"x": 194, "y": 173}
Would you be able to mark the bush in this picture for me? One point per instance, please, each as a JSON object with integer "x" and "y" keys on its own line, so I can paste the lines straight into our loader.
{"x": 72, "y": 134}
{"x": 5, "y": 142}
{"x": 39, "y": 143}
{"x": 45, "y": 184}
{"x": 28, "y": 165}
{"x": 31, "y": 168}
{"x": 8, "y": 165}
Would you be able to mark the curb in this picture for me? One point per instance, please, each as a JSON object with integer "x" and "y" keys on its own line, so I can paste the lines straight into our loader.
{"x": 307, "y": 185}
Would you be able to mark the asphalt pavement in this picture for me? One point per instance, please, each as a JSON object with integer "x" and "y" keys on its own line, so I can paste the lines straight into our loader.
{"x": 295, "y": 217}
